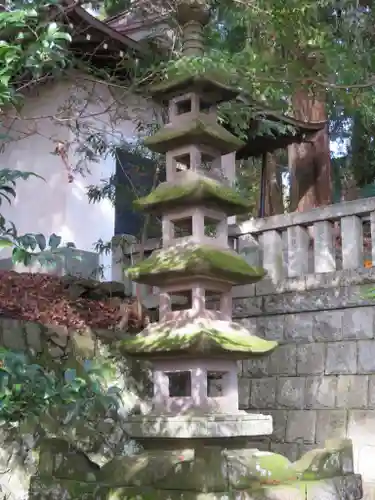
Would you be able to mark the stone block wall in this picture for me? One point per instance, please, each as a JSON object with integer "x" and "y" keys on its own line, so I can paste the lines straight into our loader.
{"x": 101, "y": 437}
{"x": 320, "y": 382}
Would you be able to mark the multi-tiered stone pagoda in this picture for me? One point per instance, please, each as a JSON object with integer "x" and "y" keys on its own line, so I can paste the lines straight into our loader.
{"x": 194, "y": 351}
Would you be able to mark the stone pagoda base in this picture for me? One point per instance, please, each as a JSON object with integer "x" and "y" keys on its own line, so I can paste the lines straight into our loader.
{"x": 211, "y": 473}
{"x": 239, "y": 425}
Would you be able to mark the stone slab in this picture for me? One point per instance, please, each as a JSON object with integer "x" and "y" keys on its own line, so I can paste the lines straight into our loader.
{"x": 192, "y": 427}
{"x": 347, "y": 487}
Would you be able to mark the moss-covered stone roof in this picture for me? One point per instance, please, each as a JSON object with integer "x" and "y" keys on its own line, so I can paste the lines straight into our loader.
{"x": 189, "y": 260}
{"x": 214, "y": 89}
{"x": 194, "y": 191}
{"x": 201, "y": 130}
{"x": 199, "y": 337}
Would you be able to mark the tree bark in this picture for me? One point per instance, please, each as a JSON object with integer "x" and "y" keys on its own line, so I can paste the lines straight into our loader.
{"x": 310, "y": 162}
{"x": 273, "y": 188}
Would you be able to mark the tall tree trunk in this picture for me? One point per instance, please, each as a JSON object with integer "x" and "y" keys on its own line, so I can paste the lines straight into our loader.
{"x": 273, "y": 187}
{"x": 310, "y": 163}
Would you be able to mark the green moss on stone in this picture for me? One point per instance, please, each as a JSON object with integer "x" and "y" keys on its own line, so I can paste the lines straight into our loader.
{"x": 201, "y": 130}
{"x": 194, "y": 260}
{"x": 198, "y": 189}
{"x": 213, "y": 86}
{"x": 198, "y": 337}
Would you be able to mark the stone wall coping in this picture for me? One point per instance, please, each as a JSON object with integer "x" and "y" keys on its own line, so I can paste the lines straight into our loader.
{"x": 336, "y": 279}
{"x": 361, "y": 208}
{"x": 242, "y": 424}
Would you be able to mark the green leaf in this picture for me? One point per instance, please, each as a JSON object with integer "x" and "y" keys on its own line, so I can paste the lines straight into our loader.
{"x": 5, "y": 243}
{"x": 54, "y": 241}
{"x": 41, "y": 241}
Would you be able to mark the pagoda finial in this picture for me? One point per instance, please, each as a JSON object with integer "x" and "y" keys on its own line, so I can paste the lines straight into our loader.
{"x": 192, "y": 15}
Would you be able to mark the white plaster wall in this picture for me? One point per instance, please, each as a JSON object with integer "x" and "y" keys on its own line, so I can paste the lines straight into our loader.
{"x": 54, "y": 204}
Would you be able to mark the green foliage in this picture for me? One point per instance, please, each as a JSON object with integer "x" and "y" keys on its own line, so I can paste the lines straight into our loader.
{"x": 29, "y": 390}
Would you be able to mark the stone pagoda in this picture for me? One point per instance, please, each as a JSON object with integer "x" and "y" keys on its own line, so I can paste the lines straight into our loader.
{"x": 194, "y": 351}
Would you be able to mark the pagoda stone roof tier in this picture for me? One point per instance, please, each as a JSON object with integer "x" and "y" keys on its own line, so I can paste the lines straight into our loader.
{"x": 166, "y": 265}
{"x": 202, "y": 131}
{"x": 193, "y": 189}
{"x": 211, "y": 87}
{"x": 200, "y": 337}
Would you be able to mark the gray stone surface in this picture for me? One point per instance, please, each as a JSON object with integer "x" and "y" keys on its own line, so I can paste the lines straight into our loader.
{"x": 301, "y": 426}
{"x": 330, "y": 424}
{"x": 320, "y": 392}
{"x": 327, "y": 325}
{"x": 298, "y": 327}
{"x": 291, "y": 392}
{"x": 366, "y": 356}
{"x": 283, "y": 360}
{"x": 358, "y": 323}
{"x": 263, "y": 393}
{"x": 352, "y": 391}
{"x": 311, "y": 359}
{"x": 341, "y": 358}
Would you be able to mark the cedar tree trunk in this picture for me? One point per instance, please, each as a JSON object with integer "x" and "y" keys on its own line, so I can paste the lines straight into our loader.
{"x": 310, "y": 162}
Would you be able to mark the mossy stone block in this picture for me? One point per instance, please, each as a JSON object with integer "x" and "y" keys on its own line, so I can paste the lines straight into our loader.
{"x": 195, "y": 190}
{"x": 201, "y": 130}
{"x": 214, "y": 87}
{"x": 200, "y": 337}
{"x": 191, "y": 260}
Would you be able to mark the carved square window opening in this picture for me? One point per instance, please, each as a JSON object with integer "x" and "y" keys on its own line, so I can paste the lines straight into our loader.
{"x": 211, "y": 226}
{"x": 182, "y": 300}
{"x": 204, "y": 105}
{"x": 179, "y": 384}
{"x": 182, "y": 227}
{"x": 183, "y": 106}
{"x": 182, "y": 162}
{"x": 215, "y": 383}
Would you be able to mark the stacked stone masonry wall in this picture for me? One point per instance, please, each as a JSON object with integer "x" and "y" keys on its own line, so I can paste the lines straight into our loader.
{"x": 320, "y": 382}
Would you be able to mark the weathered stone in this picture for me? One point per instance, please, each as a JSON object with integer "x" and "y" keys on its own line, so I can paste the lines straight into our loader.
{"x": 366, "y": 356}
{"x": 279, "y": 418}
{"x": 247, "y": 307}
{"x": 320, "y": 392}
{"x": 324, "y": 248}
{"x": 83, "y": 344}
{"x": 352, "y": 391}
{"x": 335, "y": 459}
{"x": 282, "y": 361}
{"x": 291, "y": 392}
{"x": 13, "y": 334}
{"x": 358, "y": 323}
{"x": 55, "y": 351}
{"x": 263, "y": 393}
{"x": 256, "y": 367}
{"x": 301, "y": 426}
{"x": 330, "y": 424}
{"x": 371, "y": 391}
{"x": 327, "y": 325}
{"x": 251, "y": 324}
{"x": 244, "y": 392}
{"x": 341, "y": 358}
{"x": 288, "y": 450}
{"x": 33, "y": 336}
{"x": 271, "y": 328}
{"x": 298, "y": 327}
{"x": 310, "y": 359}
{"x": 314, "y": 300}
